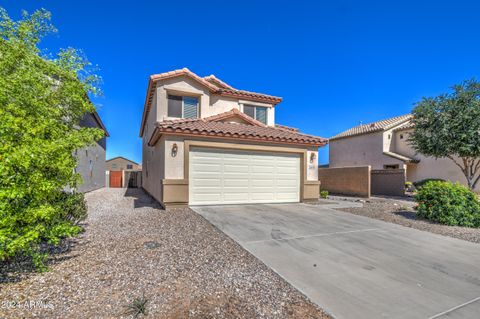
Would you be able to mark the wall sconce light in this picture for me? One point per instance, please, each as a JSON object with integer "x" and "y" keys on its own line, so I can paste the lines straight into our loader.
{"x": 174, "y": 149}
{"x": 313, "y": 156}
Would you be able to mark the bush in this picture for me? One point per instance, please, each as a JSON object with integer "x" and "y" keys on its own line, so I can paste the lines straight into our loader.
{"x": 22, "y": 235}
{"x": 424, "y": 181}
{"x": 323, "y": 194}
{"x": 39, "y": 133}
{"x": 448, "y": 203}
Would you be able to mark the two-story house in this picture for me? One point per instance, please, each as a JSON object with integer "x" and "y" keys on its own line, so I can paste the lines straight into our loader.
{"x": 91, "y": 159}
{"x": 384, "y": 145}
{"x": 205, "y": 142}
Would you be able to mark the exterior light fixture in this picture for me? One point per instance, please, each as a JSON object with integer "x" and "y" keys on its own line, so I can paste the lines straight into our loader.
{"x": 313, "y": 156}
{"x": 174, "y": 149}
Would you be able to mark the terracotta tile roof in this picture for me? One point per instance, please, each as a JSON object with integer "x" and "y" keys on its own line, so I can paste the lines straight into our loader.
{"x": 216, "y": 81}
{"x": 284, "y": 127}
{"x": 215, "y": 85}
{"x": 212, "y": 127}
{"x": 373, "y": 127}
{"x": 408, "y": 125}
{"x": 233, "y": 113}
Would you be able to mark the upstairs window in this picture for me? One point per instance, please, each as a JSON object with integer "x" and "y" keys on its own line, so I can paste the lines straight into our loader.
{"x": 129, "y": 166}
{"x": 184, "y": 107}
{"x": 257, "y": 112}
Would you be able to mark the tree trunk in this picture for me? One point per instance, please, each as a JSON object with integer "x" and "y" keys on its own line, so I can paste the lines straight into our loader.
{"x": 470, "y": 168}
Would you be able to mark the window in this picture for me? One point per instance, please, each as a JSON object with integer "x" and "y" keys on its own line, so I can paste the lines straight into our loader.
{"x": 396, "y": 166}
{"x": 185, "y": 107}
{"x": 114, "y": 166}
{"x": 257, "y": 112}
{"x": 129, "y": 166}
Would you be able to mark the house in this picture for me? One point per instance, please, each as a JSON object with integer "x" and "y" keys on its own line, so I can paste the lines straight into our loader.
{"x": 205, "y": 142}
{"x": 91, "y": 160}
{"x": 121, "y": 163}
{"x": 384, "y": 145}
{"x": 122, "y": 172}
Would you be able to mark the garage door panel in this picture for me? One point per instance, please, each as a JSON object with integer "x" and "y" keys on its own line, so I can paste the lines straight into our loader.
{"x": 207, "y": 168}
{"x": 236, "y": 197}
{"x": 235, "y": 182}
{"x": 211, "y": 197}
{"x": 234, "y": 177}
{"x": 229, "y": 168}
{"x": 267, "y": 196}
{"x": 207, "y": 182}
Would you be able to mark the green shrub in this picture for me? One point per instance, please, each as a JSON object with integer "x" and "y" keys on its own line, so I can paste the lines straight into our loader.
{"x": 42, "y": 101}
{"x": 323, "y": 194}
{"x": 424, "y": 181}
{"x": 448, "y": 203}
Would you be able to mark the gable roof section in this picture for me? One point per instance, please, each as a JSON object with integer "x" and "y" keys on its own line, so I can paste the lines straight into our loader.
{"x": 378, "y": 126}
{"x": 216, "y": 81}
{"x": 113, "y": 158}
{"x": 406, "y": 126}
{"x": 213, "y": 127}
{"x": 231, "y": 114}
{"x": 212, "y": 83}
{"x": 100, "y": 123}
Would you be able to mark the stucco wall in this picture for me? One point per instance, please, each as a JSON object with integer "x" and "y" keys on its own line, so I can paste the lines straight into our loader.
{"x": 119, "y": 164}
{"x": 428, "y": 167}
{"x": 353, "y": 181}
{"x": 91, "y": 161}
{"x": 153, "y": 171}
{"x": 360, "y": 150}
{"x": 209, "y": 104}
{"x": 389, "y": 182}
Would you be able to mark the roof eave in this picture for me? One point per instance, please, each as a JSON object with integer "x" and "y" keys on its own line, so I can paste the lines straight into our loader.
{"x": 158, "y": 132}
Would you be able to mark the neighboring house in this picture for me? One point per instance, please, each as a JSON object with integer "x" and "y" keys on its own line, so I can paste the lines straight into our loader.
{"x": 205, "y": 142}
{"x": 121, "y": 163}
{"x": 122, "y": 172}
{"x": 384, "y": 145}
{"x": 91, "y": 160}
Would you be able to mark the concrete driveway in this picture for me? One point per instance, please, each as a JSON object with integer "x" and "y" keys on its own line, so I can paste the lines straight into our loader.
{"x": 357, "y": 267}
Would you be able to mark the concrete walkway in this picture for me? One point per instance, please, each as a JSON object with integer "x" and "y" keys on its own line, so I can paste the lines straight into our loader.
{"x": 357, "y": 267}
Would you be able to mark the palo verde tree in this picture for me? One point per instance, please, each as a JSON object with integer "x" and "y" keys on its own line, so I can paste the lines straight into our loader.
{"x": 449, "y": 126}
{"x": 42, "y": 100}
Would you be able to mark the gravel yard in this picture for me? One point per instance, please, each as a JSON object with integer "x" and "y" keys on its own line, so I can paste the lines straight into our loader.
{"x": 184, "y": 267}
{"x": 401, "y": 212}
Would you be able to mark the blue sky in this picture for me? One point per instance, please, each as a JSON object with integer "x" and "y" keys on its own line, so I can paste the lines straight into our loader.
{"x": 335, "y": 63}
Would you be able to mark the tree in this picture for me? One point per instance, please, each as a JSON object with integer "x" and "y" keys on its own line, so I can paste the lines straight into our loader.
{"x": 42, "y": 100}
{"x": 449, "y": 126}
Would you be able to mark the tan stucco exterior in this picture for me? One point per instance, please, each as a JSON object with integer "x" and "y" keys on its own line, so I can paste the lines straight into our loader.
{"x": 368, "y": 149}
{"x": 209, "y": 104}
{"x": 120, "y": 164}
{"x": 353, "y": 181}
{"x": 361, "y": 150}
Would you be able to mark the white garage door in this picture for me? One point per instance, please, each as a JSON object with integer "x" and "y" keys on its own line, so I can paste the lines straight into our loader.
{"x": 236, "y": 177}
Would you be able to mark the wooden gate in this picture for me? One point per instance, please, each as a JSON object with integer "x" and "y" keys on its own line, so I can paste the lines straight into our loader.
{"x": 115, "y": 178}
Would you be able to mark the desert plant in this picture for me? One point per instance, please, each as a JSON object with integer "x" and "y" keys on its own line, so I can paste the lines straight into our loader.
{"x": 42, "y": 102}
{"x": 137, "y": 307}
{"x": 323, "y": 194}
{"x": 448, "y": 203}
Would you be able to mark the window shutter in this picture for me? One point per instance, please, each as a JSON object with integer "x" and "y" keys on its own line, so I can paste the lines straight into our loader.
{"x": 174, "y": 106}
{"x": 190, "y": 107}
{"x": 262, "y": 114}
